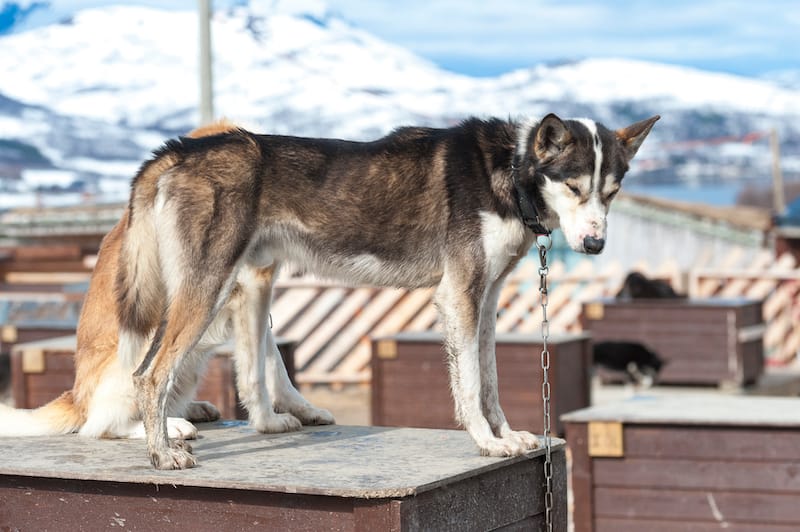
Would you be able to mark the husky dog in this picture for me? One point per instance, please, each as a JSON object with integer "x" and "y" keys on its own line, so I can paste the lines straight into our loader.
{"x": 640, "y": 365}
{"x": 212, "y": 219}
{"x": 637, "y": 286}
{"x": 101, "y": 403}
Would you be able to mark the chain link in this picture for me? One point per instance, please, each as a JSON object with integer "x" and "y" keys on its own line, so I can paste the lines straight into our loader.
{"x": 543, "y": 242}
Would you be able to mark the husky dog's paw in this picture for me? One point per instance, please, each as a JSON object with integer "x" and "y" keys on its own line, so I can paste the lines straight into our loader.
{"x": 311, "y": 415}
{"x": 200, "y": 411}
{"x": 278, "y": 423}
{"x": 180, "y": 429}
{"x": 526, "y": 439}
{"x": 177, "y": 456}
{"x": 501, "y": 447}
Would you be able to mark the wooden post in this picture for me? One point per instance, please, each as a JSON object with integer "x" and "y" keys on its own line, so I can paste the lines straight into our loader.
{"x": 205, "y": 59}
{"x": 778, "y": 202}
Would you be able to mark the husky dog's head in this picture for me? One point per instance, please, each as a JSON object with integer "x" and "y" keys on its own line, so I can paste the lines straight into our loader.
{"x": 575, "y": 168}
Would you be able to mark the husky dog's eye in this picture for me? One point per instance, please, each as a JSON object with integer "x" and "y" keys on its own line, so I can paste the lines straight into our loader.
{"x": 610, "y": 196}
{"x": 572, "y": 188}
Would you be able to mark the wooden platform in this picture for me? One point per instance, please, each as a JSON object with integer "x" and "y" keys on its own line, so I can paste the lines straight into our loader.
{"x": 411, "y": 388}
{"x": 323, "y": 478}
{"x": 686, "y": 463}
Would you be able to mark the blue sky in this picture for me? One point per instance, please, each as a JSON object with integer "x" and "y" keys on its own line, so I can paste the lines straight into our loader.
{"x": 484, "y": 38}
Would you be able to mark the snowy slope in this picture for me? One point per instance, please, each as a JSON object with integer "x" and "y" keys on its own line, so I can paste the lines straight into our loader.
{"x": 137, "y": 66}
{"x": 108, "y": 84}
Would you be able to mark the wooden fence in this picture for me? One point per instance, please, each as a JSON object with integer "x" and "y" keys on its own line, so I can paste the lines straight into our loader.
{"x": 333, "y": 323}
{"x": 777, "y": 282}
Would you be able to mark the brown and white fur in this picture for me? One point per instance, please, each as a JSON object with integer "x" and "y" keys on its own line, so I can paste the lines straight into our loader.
{"x": 213, "y": 219}
{"x": 102, "y": 401}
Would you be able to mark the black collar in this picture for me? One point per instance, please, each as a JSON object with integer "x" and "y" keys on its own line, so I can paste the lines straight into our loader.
{"x": 527, "y": 210}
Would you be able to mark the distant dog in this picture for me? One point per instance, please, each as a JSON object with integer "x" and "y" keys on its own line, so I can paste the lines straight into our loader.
{"x": 640, "y": 365}
{"x": 637, "y": 286}
{"x": 212, "y": 219}
{"x": 5, "y": 373}
{"x": 102, "y": 402}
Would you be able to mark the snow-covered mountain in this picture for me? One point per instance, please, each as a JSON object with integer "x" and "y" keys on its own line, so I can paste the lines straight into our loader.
{"x": 93, "y": 91}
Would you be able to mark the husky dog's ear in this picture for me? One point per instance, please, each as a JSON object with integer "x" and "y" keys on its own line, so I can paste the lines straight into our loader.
{"x": 552, "y": 136}
{"x": 632, "y": 136}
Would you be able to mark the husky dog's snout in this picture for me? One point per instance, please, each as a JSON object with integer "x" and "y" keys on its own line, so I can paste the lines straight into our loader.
{"x": 593, "y": 245}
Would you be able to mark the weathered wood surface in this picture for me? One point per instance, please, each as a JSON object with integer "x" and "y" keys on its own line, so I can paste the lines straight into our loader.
{"x": 704, "y": 410}
{"x": 335, "y": 477}
{"x": 690, "y": 463}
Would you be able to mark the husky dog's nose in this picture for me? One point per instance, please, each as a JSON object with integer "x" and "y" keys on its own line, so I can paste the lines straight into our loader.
{"x": 593, "y": 245}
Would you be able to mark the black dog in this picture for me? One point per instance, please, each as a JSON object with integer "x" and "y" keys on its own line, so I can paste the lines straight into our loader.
{"x": 5, "y": 372}
{"x": 639, "y": 364}
{"x": 637, "y": 286}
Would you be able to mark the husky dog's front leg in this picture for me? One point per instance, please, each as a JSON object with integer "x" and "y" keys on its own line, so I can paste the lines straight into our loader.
{"x": 460, "y": 300}
{"x": 490, "y": 397}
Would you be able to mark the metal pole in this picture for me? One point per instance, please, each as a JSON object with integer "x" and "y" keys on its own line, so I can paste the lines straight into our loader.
{"x": 206, "y": 78}
{"x": 778, "y": 201}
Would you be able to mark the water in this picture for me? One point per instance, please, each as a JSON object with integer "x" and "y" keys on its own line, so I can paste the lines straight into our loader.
{"x": 721, "y": 194}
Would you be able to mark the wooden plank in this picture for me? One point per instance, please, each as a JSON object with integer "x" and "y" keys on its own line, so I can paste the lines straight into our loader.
{"x": 56, "y": 252}
{"x": 697, "y": 505}
{"x": 308, "y": 348}
{"x": 425, "y": 320}
{"x": 46, "y": 266}
{"x": 707, "y": 287}
{"x": 291, "y": 302}
{"x": 46, "y": 277}
{"x": 391, "y": 323}
{"x": 526, "y": 303}
{"x": 719, "y": 443}
{"x": 783, "y": 297}
{"x": 314, "y": 314}
{"x": 411, "y": 304}
{"x": 673, "y": 525}
{"x": 363, "y": 377}
{"x": 572, "y": 311}
{"x": 523, "y": 305}
{"x": 791, "y": 345}
{"x": 356, "y": 330}
{"x": 763, "y": 286}
{"x": 413, "y": 388}
{"x": 674, "y": 473}
{"x": 739, "y": 285}
{"x": 581, "y": 475}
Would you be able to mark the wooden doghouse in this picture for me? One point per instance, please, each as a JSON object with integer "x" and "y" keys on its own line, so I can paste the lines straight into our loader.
{"x": 410, "y": 384}
{"x": 704, "y": 341}
{"x": 686, "y": 463}
{"x": 36, "y": 312}
{"x": 41, "y": 371}
{"x": 320, "y": 478}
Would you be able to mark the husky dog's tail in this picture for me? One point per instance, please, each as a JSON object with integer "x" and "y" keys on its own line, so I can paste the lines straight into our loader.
{"x": 60, "y": 416}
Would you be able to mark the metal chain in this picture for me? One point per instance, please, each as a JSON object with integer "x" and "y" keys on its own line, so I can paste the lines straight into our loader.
{"x": 544, "y": 242}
